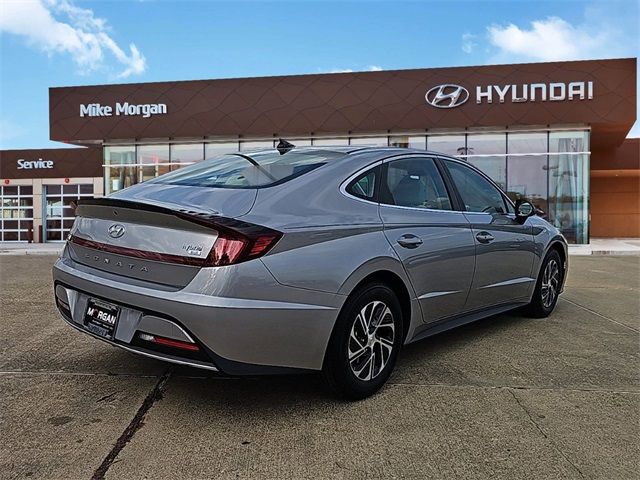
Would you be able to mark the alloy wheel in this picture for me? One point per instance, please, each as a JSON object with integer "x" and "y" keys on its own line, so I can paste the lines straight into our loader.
{"x": 550, "y": 283}
{"x": 371, "y": 340}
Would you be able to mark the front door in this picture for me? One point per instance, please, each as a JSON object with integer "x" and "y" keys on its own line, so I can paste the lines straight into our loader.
{"x": 504, "y": 247}
{"x": 433, "y": 241}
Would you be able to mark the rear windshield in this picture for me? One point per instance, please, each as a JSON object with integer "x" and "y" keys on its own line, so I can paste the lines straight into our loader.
{"x": 250, "y": 170}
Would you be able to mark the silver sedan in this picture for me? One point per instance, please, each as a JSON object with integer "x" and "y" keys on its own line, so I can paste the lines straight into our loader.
{"x": 304, "y": 259}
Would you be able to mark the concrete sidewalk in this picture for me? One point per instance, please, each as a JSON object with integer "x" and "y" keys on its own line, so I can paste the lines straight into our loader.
{"x": 607, "y": 246}
{"x": 31, "y": 248}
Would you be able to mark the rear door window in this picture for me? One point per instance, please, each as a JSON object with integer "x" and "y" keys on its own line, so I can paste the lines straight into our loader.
{"x": 364, "y": 186}
{"x": 416, "y": 183}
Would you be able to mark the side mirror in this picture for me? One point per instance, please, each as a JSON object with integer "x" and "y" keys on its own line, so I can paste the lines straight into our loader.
{"x": 524, "y": 210}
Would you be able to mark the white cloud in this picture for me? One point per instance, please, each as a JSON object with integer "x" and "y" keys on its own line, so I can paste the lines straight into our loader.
{"x": 551, "y": 39}
{"x": 370, "y": 68}
{"x": 468, "y": 42}
{"x": 60, "y": 27}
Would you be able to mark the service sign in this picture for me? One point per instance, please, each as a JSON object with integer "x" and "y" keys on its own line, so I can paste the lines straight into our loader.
{"x": 38, "y": 164}
{"x": 51, "y": 163}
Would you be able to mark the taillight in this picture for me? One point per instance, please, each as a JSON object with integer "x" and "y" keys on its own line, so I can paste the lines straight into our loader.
{"x": 230, "y": 248}
{"x": 168, "y": 342}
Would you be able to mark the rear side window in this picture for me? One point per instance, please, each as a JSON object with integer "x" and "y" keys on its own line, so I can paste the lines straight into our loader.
{"x": 416, "y": 183}
{"x": 478, "y": 194}
{"x": 252, "y": 170}
{"x": 364, "y": 186}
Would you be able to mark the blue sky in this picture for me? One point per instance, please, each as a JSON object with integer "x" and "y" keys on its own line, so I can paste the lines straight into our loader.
{"x": 47, "y": 43}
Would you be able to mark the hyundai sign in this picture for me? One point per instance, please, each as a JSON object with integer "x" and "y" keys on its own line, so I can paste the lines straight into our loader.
{"x": 450, "y": 95}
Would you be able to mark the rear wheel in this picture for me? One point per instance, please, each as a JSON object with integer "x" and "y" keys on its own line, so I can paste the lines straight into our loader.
{"x": 548, "y": 286}
{"x": 365, "y": 343}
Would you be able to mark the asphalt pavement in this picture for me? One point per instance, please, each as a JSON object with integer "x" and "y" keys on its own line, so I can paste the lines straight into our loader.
{"x": 508, "y": 397}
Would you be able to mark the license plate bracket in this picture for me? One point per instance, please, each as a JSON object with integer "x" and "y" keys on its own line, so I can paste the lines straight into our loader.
{"x": 101, "y": 318}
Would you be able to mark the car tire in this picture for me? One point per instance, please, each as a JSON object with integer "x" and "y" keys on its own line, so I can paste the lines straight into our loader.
{"x": 365, "y": 342}
{"x": 548, "y": 285}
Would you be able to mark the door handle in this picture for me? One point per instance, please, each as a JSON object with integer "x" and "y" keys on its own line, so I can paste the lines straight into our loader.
{"x": 485, "y": 237}
{"x": 409, "y": 241}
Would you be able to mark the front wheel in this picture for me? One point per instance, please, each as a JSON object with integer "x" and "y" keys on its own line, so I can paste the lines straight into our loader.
{"x": 545, "y": 295}
{"x": 365, "y": 342}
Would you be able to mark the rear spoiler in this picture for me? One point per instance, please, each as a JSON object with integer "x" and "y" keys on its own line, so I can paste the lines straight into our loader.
{"x": 237, "y": 241}
{"x": 202, "y": 218}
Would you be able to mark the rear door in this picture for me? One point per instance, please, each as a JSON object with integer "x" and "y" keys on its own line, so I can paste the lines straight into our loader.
{"x": 433, "y": 240}
{"x": 504, "y": 247}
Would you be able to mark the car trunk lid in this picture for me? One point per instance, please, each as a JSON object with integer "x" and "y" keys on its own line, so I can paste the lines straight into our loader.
{"x": 163, "y": 242}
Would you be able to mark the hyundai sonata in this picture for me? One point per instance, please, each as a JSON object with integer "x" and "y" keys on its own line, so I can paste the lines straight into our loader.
{"x": 304, "y": 259}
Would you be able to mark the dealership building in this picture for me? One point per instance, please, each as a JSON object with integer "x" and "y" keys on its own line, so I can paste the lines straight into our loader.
{"x": 554, "y": 133}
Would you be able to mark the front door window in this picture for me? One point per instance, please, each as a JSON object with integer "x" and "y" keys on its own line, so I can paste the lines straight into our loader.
{"x": 478, "y": 194}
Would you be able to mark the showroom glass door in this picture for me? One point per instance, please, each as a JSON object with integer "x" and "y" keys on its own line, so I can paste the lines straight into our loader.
{"x": 16, "y": 213}
{"x": 59, "y": 215}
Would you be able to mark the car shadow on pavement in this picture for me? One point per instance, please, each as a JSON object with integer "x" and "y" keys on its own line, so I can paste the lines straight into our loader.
{"x": 310, "y": 388}
{"x": 444, "y": 342}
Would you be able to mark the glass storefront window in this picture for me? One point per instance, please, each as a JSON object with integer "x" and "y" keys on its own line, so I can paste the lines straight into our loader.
{"x": 527, "y": 179}
{"x": 530, "y": 142}
{"x": 255, "y": 145}
{"x": 118, "y": 176}
{"x": 494, "y": 144}
{"x": 157, "y": 157}
{"x": 215, "y": 149}
{"x": 153, "y": 154}
{"x": 407, "y": 141}
{"x": 569, "y": 184}
{"x": 527, "y": 174}
{"x": 186, "y": 154}
{"x": 570, "y": 141}
{"x": 330, "y": 142}
{"x": 120, "y": 155}
{"x": 487, "y": 144}
{"x": 299, "y": 142}
{"x": 369, "y": 141}
{"x": 447, "y": 144}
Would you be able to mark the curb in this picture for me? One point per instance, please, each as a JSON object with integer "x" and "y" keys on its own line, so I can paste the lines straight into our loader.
{"x": 29, "y": 251}
{"x": 616, "y": 253}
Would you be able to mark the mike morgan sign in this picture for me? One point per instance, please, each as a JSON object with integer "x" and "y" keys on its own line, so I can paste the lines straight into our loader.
{"x": 145, "y": 110}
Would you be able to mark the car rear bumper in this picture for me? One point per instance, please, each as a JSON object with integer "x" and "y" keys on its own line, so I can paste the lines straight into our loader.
{"x": 278, "y": 329}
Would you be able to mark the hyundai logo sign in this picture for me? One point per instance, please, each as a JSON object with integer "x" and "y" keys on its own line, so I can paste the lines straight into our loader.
{"x": 447, "y": 96}
{"x": 116, "y": 230}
